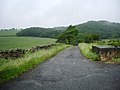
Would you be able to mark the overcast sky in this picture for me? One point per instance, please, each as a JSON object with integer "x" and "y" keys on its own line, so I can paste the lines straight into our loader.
{"x": 50, "y": 13}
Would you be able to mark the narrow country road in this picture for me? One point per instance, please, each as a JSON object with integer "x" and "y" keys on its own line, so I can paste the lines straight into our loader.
{"x": 68, "y": 70}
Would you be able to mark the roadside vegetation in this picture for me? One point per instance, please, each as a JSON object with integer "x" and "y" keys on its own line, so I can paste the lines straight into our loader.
{"x": 86, "y": 50}
{"x": 23, "y": 42}
{"x": 10, "y": 68}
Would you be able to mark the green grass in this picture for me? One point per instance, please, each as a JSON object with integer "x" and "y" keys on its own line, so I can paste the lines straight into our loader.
{"x": 86, "y": 50}
{"x": 114, "y": 42}
{"x": 23, "y": 42}
{"x": 9, "y": 33}
{"x": 12, "y": 68}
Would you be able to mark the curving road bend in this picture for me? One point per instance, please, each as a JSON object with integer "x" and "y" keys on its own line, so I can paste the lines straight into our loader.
{"x": 68, "y": 70}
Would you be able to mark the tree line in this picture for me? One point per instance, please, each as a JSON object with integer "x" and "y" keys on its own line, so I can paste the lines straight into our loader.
{"x": 40, "y": 32}
{"x": 86, "y": 32}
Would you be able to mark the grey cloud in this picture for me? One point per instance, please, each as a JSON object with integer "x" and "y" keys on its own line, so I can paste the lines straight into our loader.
{"x": 49, "y": 13}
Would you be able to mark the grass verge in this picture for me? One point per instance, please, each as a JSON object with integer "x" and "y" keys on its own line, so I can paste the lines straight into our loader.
{"x": 86, "y": 50}
{"x": 12, "y": 68}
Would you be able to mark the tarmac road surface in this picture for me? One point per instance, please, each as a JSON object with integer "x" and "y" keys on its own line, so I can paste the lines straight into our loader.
{"x": 68, "y": 70}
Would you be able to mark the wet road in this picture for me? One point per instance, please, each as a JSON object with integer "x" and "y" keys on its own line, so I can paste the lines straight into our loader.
{"x": 68, "y": 70}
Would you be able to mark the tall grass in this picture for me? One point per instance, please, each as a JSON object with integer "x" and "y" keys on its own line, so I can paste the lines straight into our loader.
{"x": 23, "y": 42}
{"x": 86, "y": 50}
{"x": 12, "y": 68}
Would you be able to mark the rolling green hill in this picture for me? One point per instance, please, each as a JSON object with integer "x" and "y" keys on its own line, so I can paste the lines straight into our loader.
{"x": 105, "y": 29}
{"x": 40, "y": 32}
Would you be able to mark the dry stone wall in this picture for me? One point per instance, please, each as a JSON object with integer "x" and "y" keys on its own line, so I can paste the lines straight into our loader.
{"x": 106, "y": 53}
{"x": 15, "y": 53}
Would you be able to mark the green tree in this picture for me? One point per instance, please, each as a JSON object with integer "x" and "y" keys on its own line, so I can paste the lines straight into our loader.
{"x": 69, "y": 36}
{"x": 89, "y": 38}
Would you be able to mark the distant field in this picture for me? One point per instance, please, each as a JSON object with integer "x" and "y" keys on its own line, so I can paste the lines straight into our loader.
{"x": 23, "y": 42}
{"x": 8, "y": 33}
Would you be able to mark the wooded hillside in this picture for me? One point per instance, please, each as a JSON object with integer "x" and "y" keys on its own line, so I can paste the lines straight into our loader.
{"x": 105, "y": 30}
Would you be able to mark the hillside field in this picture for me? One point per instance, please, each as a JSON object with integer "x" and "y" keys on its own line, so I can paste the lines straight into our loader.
{"x": 23, "y": 42}
{"x": 8, "y": 33}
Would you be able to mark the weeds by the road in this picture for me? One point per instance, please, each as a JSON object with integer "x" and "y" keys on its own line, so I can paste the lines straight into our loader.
{"x": 12, "y": 68}
{"x": 86, "y": 50}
